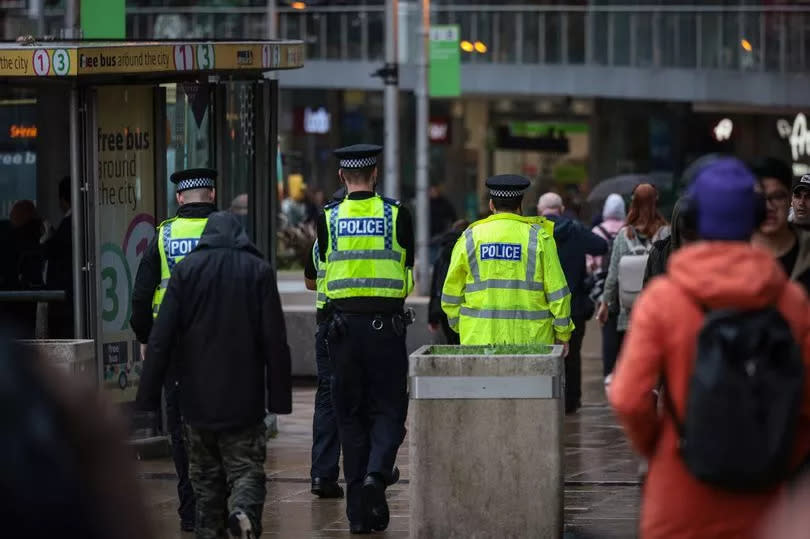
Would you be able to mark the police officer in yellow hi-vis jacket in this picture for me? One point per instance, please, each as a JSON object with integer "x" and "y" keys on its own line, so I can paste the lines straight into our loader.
{"x": 366, "y": 243}
{"x": 505, "y": 284}
{"x": 174, "y": 239}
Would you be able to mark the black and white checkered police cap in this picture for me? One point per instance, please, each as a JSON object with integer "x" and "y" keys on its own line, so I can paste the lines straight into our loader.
{"x": 507, "y": 186}
{"x": 358, "y": 156}
{"x": 194, "y": 178}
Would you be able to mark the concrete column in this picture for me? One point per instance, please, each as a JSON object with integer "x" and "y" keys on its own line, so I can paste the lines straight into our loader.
{"x": 486, "y": 453}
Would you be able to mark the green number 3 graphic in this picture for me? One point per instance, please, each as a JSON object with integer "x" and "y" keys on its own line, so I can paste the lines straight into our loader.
{"x": 110, "y": 294}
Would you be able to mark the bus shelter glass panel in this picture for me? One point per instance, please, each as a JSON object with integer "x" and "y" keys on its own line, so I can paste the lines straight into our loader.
{"x": 239, "y": 145}
{"x": 189, "y": 129}
{"x": 126, "y": 213}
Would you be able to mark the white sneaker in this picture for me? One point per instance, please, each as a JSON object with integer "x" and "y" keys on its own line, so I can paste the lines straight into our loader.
{"x": 239, "y": 525}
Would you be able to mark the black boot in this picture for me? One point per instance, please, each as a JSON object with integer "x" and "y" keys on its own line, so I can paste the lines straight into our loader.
{"x": 374, "y": 501}
{"x": 324, "y": 488}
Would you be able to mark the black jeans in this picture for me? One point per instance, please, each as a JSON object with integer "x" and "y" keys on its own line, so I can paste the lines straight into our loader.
{"x": 325, "y": 439}
{"x": 175, "y": 427}
{"x": 371, "y": 400}
{"x": 610, "y": 344}
{"x": 573, "y": 366}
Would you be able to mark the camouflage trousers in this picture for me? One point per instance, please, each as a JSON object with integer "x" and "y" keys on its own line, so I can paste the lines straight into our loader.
{"x": 227, "y": 474}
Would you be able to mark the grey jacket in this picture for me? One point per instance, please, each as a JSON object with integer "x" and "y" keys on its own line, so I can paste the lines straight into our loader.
{"x": 620, "y": 248}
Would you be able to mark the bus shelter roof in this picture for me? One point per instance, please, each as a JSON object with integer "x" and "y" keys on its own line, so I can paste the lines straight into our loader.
{"x": 108, "y": 61}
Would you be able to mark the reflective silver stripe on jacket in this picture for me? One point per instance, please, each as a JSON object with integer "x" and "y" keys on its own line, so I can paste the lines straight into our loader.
{"x": 562, "y": 322}
{"x": 321, "y": 274}
{"x": 365, "y": 254}
{"x": 321, "y": 297}
{"x": 506, "y": 314}
{"x": 558, "y": 294}
{"x": 532, "y": 265}
{"x": 341, "y": 284}
{"x": 471, "y": 258}
{"x": 452, "y": 300}
{"x": 164, "y": 283}
{"x": 513, "y": 284}
{"x": 452, "y": 322}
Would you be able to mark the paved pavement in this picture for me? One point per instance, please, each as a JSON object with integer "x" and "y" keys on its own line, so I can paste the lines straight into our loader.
{"x": 601, "y": 495}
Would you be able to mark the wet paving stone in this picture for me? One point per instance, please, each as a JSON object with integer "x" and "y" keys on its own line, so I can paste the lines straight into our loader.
{"x": 602, "y": 495}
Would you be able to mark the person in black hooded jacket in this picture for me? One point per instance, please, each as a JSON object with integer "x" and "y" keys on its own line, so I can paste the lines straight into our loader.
{"x": 574, "y": 241}
{"x": 436, "y": 316}
{"x": 221, "y": 322}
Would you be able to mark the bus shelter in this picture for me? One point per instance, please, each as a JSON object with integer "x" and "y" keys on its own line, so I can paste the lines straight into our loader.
{"x": 113, "y": 120}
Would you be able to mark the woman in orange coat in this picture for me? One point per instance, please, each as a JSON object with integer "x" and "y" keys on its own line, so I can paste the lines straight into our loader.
{"x": 720, "y": 271}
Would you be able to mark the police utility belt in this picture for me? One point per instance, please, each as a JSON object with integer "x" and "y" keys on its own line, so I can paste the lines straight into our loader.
{"x": 397, "y": 322}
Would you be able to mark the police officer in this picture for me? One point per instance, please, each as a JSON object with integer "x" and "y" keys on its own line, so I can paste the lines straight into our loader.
{"x": 174, "y": 239}
{"x": 325, "y": 439}
{"x": 505, "y": 284}
{"x": 366, "y": 243}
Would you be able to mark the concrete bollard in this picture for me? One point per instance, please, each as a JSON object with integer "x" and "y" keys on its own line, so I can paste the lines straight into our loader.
{"x": 486, "y": 442}
{"x": 75, "y": 357}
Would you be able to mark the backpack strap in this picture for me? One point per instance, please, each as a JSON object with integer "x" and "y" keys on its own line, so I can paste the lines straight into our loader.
{"x": 608, "y": 235}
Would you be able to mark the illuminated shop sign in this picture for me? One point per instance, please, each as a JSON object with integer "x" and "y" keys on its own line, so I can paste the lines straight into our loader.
{"x": 722, "y": 131}
{"x": 798, "y": 138}
{"x": 317, "y": 122}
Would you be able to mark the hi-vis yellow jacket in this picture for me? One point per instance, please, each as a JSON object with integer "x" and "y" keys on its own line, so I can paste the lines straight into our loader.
{"x": 505, "y": 284}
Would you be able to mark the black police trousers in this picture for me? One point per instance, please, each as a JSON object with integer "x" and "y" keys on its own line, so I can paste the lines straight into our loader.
{"x": 370, "y": 395}
{"x": 325, "y": 439}
{"x": 179, "y": 455}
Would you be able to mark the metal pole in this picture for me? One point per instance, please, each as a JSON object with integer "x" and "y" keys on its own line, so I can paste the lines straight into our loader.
{"x": 422, "y": 104}
{"x": 272, "y": 20}
{"x": 71, "y": 18}
{"x": 76, "y": 215}
{"x": 391, "y": 96}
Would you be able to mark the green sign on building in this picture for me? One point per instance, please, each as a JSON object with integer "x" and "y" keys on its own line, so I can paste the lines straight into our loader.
{"x": 444, "y": 71}
{"x": 104, "y": 19}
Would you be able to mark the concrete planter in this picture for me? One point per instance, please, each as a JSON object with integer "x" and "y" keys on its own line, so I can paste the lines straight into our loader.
{"x": 75, "y": 357}
{"x": 486, "y": 442}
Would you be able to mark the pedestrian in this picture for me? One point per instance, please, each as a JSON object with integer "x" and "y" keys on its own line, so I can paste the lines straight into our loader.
{"x": 720, "y": 339}
{"x": 628, "y": 259}
{"x": 574, "y": 242}
{"x": 59, "y": 274}
{"x": 436, "y": 317}
{"x": 612, "y": 220}
{"x": 787, "y": 243}
{"x": 325, "y": 468}
{"x": 505, "y": 284}
{"x": 221, "y": 323}
{"x": 800, "y": 203}
{"x": 174, "y": 239}
{"x": 682, "y": 233}
{"x": 367, "y": 245}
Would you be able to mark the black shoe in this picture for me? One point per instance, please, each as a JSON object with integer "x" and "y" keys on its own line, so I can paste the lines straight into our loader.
{"x": 394, "y": 476}
{"x": 374, "y": 502}
{"x": 324, "y": 488}
{"x": 359, "y": 528}
{"x": 239, "y": 525}
{"x": 187, "y": 525}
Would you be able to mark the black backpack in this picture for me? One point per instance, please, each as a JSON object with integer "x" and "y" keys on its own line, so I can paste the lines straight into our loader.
{"x": 743, "y": 402}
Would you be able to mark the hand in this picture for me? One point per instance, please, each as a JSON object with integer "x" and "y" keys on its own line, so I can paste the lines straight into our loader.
{"x": 143, "y": 352}
{"x": 602, "y": 313}
{"x": 565, "y": 346}
{"x": 433, "y": 327}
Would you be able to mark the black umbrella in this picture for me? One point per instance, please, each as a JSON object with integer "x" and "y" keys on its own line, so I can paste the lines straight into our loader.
{"x": 621, "y": 185}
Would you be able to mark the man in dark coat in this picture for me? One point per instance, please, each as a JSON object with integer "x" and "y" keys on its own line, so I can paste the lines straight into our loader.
{"x": 59, "y": 252}
{"x": 221, "y": 322}
{"x": 661, "y": 250}
{"x": 436, "y": 316}
{"x": 574, "y": 241}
